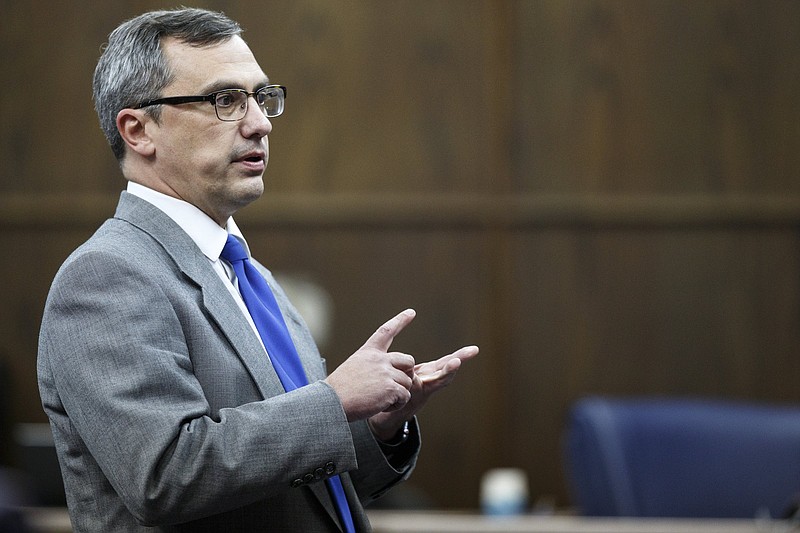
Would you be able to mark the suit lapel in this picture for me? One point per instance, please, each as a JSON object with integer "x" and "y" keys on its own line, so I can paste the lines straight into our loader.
{"x": 217, "y": 300}
{"x": 223, "y": 309}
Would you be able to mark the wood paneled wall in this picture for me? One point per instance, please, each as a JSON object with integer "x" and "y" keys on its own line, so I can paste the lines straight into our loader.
{"x": 603, "y": 195}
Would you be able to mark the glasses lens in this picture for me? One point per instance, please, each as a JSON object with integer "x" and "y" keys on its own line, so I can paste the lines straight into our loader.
{"x": 231, "y": 105}
{"x": 271, "y": 100}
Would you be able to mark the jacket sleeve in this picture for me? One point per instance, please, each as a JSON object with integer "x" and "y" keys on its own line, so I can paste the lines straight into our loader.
{"x": 377, "y": 471}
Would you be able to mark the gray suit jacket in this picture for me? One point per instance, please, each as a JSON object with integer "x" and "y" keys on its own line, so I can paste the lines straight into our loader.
{"x": 165, "y": 409}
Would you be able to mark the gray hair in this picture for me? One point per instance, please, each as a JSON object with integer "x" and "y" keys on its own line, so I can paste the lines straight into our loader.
{"x": 132, "y": 67}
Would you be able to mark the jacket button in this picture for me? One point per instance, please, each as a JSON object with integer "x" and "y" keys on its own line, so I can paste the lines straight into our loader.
{"x": 296, "y": 483}
{"x": 330, "y": 468}
{"x": 319, "y": 473}
{"x": 308, "y": 478}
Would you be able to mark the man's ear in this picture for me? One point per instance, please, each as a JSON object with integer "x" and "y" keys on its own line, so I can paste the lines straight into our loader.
{"x": 133, "y": 126}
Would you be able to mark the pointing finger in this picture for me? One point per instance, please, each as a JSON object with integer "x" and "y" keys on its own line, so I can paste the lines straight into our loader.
{"x": 384, "y": 335}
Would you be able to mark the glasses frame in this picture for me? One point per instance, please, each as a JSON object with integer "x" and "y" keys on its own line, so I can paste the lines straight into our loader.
{"x": 212, "y": 99}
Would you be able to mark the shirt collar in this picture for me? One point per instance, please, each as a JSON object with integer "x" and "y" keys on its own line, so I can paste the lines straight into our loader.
{"x": 206, "y": 233}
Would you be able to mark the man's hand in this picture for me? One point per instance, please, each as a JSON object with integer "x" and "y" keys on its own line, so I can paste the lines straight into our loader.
{"x": 428, "y": 378}
{"x": 374, "y": 380}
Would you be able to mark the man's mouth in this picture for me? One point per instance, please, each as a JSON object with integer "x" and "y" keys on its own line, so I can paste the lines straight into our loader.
{"x": 252, "y": 157}
{"x": 253, "y": 161}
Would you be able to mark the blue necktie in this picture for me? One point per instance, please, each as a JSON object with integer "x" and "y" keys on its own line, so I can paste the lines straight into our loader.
{"x": 271, "y": 327}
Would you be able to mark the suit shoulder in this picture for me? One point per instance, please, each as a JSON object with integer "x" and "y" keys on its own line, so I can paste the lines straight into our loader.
{"x": 116, "y": 242}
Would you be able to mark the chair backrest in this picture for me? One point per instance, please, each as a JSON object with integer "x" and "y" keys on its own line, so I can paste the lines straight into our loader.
{"x": 662, "y": 457}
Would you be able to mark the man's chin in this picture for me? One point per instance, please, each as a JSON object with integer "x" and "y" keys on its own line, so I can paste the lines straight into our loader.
{"x": 250, "y": 192}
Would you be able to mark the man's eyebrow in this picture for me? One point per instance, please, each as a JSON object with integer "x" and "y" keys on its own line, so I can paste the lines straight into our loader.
{"x": 221, "y": 85}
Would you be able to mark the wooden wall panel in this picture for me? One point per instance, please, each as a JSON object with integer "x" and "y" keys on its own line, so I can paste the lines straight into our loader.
{"x": 402, "y": 112}
{"x": 601, "y": 194}
{"x": 32, "y": 259}
{"x": 50, "y": 140}
{"x": 657, "y": 96}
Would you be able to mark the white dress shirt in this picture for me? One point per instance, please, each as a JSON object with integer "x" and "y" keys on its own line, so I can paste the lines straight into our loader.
{"x": 206, "y": 233}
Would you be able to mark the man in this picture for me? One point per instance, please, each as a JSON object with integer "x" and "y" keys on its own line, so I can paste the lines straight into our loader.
{"x": 173, "y": 406}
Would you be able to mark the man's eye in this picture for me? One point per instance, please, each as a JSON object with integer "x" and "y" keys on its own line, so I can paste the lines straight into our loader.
{"x": 225, "y": 99}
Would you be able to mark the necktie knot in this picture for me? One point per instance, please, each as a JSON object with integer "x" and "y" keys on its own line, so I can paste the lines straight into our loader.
{"x": 233, "y": 250}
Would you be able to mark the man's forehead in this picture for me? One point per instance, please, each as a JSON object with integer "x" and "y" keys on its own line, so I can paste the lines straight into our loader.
{"x": 229, "y": 62}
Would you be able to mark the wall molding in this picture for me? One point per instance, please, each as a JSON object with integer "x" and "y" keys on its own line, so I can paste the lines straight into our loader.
{"x": 437, "y": 210}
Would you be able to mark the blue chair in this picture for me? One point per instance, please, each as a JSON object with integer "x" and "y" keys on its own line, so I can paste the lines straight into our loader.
{"x": 682, "y": 458}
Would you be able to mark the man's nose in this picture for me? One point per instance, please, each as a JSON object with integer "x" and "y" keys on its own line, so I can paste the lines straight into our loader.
{"x": 255, "y": 122}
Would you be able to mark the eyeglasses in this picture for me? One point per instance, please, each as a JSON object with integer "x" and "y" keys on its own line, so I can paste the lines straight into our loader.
{"x": 231, "y": 104}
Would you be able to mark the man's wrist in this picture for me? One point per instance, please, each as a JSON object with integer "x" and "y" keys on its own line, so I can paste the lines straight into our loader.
{"x": 398, "y": 438}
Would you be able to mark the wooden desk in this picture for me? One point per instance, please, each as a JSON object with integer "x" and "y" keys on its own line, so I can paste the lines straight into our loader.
{"x": 447, "y": 522}
{"x": 44, "y": 520}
